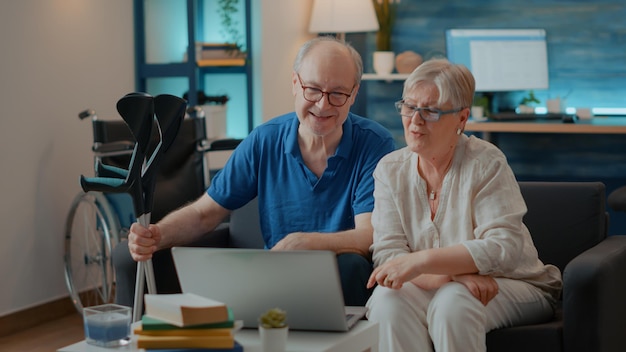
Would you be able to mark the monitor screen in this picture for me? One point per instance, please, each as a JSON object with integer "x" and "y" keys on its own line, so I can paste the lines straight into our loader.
{"x": 501, "y": 59}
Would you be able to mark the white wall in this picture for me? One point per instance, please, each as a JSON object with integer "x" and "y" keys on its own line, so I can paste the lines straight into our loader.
{"x": 285, "y": 28}
{"x": 59, "y": 57}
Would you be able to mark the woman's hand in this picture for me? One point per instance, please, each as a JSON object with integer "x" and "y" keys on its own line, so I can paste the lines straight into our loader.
{"x": 395, "y": 272}
{"x": 431, "y": 281}
{"x": 483, "y": 287}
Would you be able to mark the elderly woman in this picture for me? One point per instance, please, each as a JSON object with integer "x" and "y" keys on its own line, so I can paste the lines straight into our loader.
{"x": 453, "y": 258}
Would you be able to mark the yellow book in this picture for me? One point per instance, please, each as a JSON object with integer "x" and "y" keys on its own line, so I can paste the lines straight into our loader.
{"x": 149, "y": 323}
{"x": 184, "y": 332}
{"x": 145, "y": 341}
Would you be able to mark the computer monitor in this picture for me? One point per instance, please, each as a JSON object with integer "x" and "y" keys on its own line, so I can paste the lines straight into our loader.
{"x": 501, "y": 60}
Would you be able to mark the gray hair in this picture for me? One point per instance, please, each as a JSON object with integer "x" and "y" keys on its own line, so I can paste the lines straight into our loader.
{"x": 306, "y": 48}
{"x": 454, "y": 82}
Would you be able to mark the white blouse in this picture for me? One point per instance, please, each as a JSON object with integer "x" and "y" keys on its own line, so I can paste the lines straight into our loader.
{"x": 480, "y": 206}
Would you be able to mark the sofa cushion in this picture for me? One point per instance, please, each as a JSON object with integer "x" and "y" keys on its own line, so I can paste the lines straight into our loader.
{"x": 546, "y": 337}
{"x": 564, "y": 218}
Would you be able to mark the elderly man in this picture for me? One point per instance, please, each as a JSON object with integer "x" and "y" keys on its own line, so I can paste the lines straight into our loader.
{"x": 310, "y": 169}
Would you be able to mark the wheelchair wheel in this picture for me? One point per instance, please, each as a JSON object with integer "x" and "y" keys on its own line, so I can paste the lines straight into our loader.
{"x": 91, "y": 231}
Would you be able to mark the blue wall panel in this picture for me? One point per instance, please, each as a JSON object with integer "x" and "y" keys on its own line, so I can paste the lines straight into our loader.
{"x": 587, "y": 63}
{"x": 586, "y": 41}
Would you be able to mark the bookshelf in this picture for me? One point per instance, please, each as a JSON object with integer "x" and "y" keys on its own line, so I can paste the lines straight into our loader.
{"x": 196, "y": 76}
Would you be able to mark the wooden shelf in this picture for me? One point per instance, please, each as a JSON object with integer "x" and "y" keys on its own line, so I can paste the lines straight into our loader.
{"x": 388, "y": 77}
{"x": 599, "y": 125}
{"x": 196, "y": 72}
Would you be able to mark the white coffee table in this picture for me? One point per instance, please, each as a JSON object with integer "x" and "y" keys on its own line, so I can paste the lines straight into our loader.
{"x": 362, "y": 337}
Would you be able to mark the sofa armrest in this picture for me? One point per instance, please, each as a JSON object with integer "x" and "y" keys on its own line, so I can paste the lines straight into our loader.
{"x": 218, "y": 238}
{"x": 594, "y": 298}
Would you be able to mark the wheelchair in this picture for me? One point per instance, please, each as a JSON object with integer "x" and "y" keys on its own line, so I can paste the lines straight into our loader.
{"x": 97, "y": 221}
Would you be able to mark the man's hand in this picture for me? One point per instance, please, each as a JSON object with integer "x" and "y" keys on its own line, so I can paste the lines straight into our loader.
{"x": 143, "y": 242}
{"x": 483, "y": 287}
{"x": 298, "y": 241}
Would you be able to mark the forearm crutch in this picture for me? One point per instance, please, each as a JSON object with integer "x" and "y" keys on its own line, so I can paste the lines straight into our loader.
{"x": 137, "y": 110}
{"x": 170, "y": 111}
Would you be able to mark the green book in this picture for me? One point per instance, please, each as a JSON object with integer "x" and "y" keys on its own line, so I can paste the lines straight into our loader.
{"x": 150, "y": 323}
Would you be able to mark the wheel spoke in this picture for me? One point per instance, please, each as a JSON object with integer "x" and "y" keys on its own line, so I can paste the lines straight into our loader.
{"x": 88, "y": 267}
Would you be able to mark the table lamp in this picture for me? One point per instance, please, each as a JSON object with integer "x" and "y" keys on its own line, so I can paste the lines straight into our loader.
{"x": 343, "y": 16}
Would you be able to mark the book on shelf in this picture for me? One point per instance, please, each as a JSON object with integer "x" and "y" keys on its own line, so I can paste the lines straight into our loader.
{"x": 233, "y": 61}
{"x": 160, "y": 342}
{"x": 185, "y": 309}
{"x": 218, "y": 51}
{"x": 236, "y": 348}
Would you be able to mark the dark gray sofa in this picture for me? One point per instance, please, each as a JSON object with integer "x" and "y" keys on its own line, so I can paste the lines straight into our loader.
{"x": 568, "y": 223}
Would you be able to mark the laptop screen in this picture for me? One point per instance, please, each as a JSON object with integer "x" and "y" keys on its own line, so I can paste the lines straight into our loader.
{"x": 306, "y": 284}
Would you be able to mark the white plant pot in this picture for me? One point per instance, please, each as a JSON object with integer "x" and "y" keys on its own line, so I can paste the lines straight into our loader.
{"x": 274, "y": 340}
{"x": 525, "y": 109}
{"x": 384, "y": 62}
{"x": 478, "y": 113}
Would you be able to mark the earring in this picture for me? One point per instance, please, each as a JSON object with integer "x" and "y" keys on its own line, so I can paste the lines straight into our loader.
{"x": 458, "y": 131}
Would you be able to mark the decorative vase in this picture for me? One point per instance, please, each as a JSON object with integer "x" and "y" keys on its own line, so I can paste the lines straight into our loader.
{"x": 274, "y": 339}
{"x": 384, "y": 62}
{"x": 408, "y": 61}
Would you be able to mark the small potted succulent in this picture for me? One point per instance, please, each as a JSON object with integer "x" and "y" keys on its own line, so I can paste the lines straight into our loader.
{"x": 273, "y": 330}
{"x": 526, "y": 104}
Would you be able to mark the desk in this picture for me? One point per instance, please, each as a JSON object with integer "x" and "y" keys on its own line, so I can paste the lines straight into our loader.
{"x": 597, "y": 125}
{"x": 550, "y": 150}
{"x": 362, "y": 337}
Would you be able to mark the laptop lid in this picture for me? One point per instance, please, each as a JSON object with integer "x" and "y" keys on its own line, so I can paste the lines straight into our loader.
{"x": 306, "y": 284}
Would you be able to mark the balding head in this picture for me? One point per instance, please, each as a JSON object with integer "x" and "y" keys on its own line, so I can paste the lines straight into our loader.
{"x": 331, "y": 46}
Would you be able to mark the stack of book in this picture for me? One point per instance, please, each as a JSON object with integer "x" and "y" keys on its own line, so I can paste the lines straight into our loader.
{"x": 186, "y": 322}
{"x": 219, "y": 54}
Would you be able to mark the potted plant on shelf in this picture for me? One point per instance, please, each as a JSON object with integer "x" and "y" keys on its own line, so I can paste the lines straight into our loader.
{"x": 227, "y": 10}
{"x": 480, "y": 108}
{"x": 273, "y": 330}
{"x": 383, "y": 56}
{"x": 526, "y": 104}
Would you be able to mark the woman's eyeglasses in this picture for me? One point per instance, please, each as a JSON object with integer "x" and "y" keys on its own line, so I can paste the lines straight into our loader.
{"x": 427, "y": 114}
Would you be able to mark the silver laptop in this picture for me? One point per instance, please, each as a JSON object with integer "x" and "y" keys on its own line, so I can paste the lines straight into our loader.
{"x": 306, "y": 284}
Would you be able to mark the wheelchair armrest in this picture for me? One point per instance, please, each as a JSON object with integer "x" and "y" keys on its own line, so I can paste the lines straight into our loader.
{"x": 114, "y": 148}
{"x": 594, "y": 297}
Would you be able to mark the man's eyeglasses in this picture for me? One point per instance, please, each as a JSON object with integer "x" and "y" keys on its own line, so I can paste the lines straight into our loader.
{"x": 314, "y": 95}
{"x": 427, "y": 114}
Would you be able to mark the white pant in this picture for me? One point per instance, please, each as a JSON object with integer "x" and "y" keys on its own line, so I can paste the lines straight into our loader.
{"x": 450, "y": 318}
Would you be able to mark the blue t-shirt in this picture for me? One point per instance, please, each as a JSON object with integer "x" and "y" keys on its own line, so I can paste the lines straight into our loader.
{"x": 268, "y": 165}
